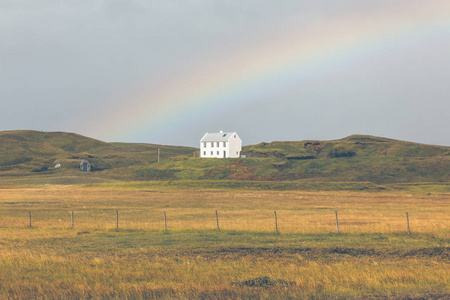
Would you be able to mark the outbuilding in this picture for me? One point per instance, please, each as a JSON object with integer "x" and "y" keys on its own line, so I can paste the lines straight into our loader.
{"x": 85, "y": 166}
{"x": 220, "y": 145}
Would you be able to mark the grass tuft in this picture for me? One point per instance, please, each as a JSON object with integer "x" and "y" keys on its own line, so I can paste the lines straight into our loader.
{"x": 265, "y": 281}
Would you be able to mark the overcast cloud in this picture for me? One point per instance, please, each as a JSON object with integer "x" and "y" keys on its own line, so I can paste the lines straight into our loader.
{"x": 66, "y": 64}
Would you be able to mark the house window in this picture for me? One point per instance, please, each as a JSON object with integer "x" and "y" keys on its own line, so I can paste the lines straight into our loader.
{"x": 204, "y": 144}
{"x": 211, "y": 153}
{"x": 217, "y": 152}
{"x": 204, "y": 152}
{"x": 224, "y": 144}
{"x": 217, "y": 144}
{"x": 212, "y": 144}
{"x": 234, "y": 136}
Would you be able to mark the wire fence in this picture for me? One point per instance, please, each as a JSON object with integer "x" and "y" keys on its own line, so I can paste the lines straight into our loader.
{"x": 281, "y": 221}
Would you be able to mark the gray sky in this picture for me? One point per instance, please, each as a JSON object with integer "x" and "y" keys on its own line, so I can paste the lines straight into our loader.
{"x": 168, "y": 71}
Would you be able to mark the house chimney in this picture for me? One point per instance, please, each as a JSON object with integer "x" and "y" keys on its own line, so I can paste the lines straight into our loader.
{"x": 221, "y": 131}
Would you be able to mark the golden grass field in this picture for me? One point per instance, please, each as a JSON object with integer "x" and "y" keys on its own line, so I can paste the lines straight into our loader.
{"x": 371, "y": 257}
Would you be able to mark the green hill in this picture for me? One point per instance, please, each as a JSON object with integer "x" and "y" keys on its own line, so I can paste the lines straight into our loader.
{"x": 355, "y": 158}
{"x": 31, "y": 155}
{"x": 26, "y": 153}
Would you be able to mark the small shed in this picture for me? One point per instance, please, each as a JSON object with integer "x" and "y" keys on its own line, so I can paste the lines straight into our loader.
{"x": 85, "y": 166}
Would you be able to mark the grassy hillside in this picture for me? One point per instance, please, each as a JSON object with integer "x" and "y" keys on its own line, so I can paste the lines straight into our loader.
{"x": 31, "y": 155}
{"x": 355, "y": 158}
{"x": 34, "y": 153}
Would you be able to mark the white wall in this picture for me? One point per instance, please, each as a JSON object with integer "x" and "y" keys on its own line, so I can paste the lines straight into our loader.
{"x": 217, "y": 151}
{"x": 235, "y": 146}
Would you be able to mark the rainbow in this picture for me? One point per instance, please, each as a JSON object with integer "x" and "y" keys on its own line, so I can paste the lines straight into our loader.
{"x": 338, "y": 42}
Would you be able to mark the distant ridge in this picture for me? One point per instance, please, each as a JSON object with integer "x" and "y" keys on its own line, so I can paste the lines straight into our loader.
{"x": 24, "y": 151}
{"x": 356, "y": 158}
{"x": 363, "y": 145}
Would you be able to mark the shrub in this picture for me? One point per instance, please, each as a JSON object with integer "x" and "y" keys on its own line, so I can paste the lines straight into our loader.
{"x": 155, "y": 174}
{"x": 335, "y": 153}
{"x": 42, "y": 169}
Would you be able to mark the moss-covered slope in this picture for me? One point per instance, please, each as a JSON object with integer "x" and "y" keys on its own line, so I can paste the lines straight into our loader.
{"x": 355, "y": 158}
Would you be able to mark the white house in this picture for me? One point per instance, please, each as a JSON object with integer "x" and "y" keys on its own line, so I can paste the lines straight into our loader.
{"x": 220, "y": 145}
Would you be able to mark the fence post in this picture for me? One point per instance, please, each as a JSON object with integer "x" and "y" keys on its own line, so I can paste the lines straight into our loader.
{"x": 407, "y": 223}
{"x": 117, "y": 219}
{"x": 165, "y": 222}
{"x": 72, "y": 219}
{"x": 217, "y": 220}
{"x": 337, "y": 222}
{"x": 276, "y": 223}
{"x": 29, "y": 213}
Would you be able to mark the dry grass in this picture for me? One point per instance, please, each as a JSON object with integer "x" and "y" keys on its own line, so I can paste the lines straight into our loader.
{"x": 297, "y": 212}
{"x": 372, "y": 257}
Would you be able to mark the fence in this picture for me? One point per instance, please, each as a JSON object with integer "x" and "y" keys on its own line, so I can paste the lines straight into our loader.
{"x": 285, "y": 221}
